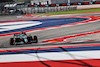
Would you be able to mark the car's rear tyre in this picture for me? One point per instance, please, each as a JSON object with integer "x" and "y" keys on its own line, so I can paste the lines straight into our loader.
{"x": 12, "y": 41}
{"x": 29, "y": 38}
{"x": 35, "y": 39}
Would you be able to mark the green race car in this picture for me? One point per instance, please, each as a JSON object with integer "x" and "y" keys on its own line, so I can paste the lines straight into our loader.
{"x": 22, "y": 38}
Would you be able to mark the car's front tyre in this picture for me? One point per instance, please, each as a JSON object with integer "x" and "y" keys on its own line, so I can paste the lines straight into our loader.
{"x": 12, "y": 41}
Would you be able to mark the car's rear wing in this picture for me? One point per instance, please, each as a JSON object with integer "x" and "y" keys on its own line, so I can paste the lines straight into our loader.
{"x": 19, "y": 34}
{"x": 16, "y": 34}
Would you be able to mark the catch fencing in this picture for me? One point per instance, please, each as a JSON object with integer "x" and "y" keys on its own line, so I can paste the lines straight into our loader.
{"x": 11, "y": 9}
{"x": 32, "y": 10}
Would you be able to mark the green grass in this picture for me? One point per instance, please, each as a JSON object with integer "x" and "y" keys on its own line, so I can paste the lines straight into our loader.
{"x": 72, "y": 12}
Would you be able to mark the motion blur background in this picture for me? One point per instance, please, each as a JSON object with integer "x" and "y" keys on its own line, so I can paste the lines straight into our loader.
{"x": 18, "y": 7}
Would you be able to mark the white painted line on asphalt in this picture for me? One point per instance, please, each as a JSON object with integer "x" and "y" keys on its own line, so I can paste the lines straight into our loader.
{"x": 18, "y": 25}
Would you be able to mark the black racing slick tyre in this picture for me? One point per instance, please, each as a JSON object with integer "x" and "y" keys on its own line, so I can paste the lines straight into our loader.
{"x": 35, "y": 39}
{"x": 29, "y": 38}
{"x": 12, "y": 41}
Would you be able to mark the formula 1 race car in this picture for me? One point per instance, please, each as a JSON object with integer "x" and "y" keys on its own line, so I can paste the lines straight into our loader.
{"x": 22, "y": 38}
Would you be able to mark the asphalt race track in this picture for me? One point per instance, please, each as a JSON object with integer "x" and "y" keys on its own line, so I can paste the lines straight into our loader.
{"x": 58, "y": 32}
